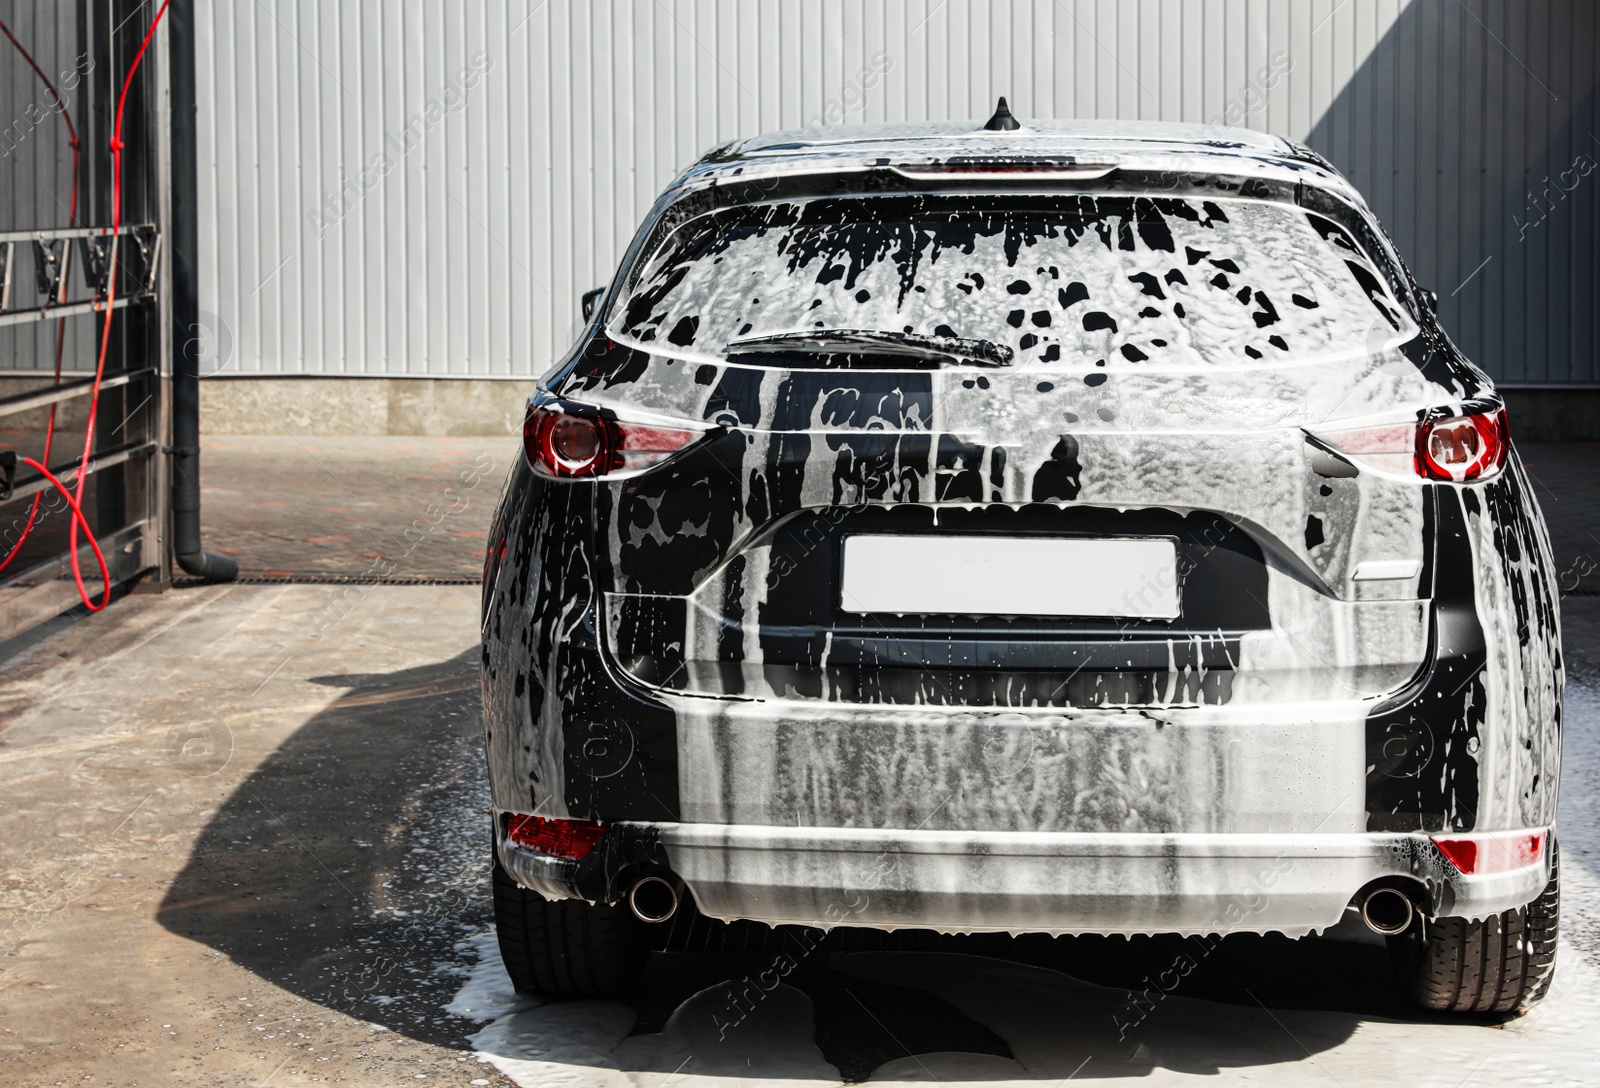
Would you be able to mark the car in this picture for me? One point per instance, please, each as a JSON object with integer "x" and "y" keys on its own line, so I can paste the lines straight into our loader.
{"x": 1063, "y": 527}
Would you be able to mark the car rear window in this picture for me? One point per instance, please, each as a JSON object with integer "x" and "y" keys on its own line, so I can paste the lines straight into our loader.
{"x": 1071, "y": 281}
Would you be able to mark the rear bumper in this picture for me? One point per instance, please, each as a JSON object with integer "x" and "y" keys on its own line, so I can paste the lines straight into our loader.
{"x": 1027, "y": 882}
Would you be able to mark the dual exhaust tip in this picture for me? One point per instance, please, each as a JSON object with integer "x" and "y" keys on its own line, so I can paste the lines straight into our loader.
{"x": 655, "y": 899}
{"x": 1385, "y": 910}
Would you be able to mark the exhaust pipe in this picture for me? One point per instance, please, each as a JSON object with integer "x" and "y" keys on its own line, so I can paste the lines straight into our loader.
{"x": 654, "y": 899}
{"x": 1387, "y": 911}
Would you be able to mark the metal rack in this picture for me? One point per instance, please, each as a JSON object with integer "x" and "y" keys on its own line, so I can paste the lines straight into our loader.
{"x": 52, "y": 261}
{"x": 128, "y": 440}
{"x": 52, "y": 273}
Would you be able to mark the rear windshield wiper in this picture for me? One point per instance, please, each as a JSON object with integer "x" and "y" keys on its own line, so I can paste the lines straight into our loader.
{"x": 878, "y": 342}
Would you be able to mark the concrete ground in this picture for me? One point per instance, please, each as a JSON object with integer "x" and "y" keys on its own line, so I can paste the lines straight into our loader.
{"x": 358, "y": 506}
{"x": 244, "y": 844}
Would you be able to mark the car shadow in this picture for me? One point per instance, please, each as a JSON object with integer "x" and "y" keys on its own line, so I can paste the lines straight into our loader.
{"x": 350, "y": 869}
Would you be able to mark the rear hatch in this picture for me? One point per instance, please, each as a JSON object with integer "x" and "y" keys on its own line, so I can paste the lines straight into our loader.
{"x": 1010, "y": 451}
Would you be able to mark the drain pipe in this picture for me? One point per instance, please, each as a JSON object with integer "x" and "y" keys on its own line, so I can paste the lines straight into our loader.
{"x": 183, "y": 240}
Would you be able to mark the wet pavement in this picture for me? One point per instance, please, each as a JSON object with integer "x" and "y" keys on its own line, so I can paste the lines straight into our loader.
{"x": 1566, "y": 482}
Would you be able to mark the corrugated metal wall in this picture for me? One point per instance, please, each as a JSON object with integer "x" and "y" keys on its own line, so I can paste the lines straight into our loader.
{"x": 36, "y": 167}
{"x": 410, "y": 187}
{"x": 1473, "y": 128}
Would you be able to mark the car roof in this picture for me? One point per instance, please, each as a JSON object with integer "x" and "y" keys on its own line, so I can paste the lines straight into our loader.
{"x": 1052, "y": 137}
{"x": 1130, "y": 145}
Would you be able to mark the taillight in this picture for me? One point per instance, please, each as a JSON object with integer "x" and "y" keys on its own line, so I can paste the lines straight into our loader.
{"x": 1493, "y": 852}
{"x": 557, "y": 838}
{"x": 566, "y": 445}
{"x": 558, "y": 444}
{"x": 1459, "y": 448}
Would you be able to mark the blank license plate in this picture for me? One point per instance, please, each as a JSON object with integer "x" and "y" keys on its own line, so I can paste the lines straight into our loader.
{"x": 1011, "y": 576}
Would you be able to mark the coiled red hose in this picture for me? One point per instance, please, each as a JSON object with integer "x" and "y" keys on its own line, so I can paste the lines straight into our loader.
{"x": 105, "y": 334}
{"x": 74, "y": 497}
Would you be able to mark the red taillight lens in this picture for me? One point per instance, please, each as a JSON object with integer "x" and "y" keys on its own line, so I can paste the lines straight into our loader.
{"x": 1458, "y": 448}
{"x": 565, "y": 445}
{"x": 1462, "y": 448}
{"x": 558, "y": 444}
{"x": 558, "y": 838}
{"x": 1494, "y": 852}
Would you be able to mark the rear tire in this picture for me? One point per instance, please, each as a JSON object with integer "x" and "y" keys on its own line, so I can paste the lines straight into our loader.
{"x": 1500, "y": 964}
{"x": 565, "y": 946}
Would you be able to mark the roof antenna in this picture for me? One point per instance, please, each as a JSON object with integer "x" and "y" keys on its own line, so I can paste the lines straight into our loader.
{"x": 1002, "y": 121}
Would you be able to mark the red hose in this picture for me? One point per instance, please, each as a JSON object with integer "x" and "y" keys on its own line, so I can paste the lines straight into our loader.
{"x": 61, "y": 296}
{"x": 77, "y": 516}
{"x": 105, "y": 334}
{"x": 75, "y": 496}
